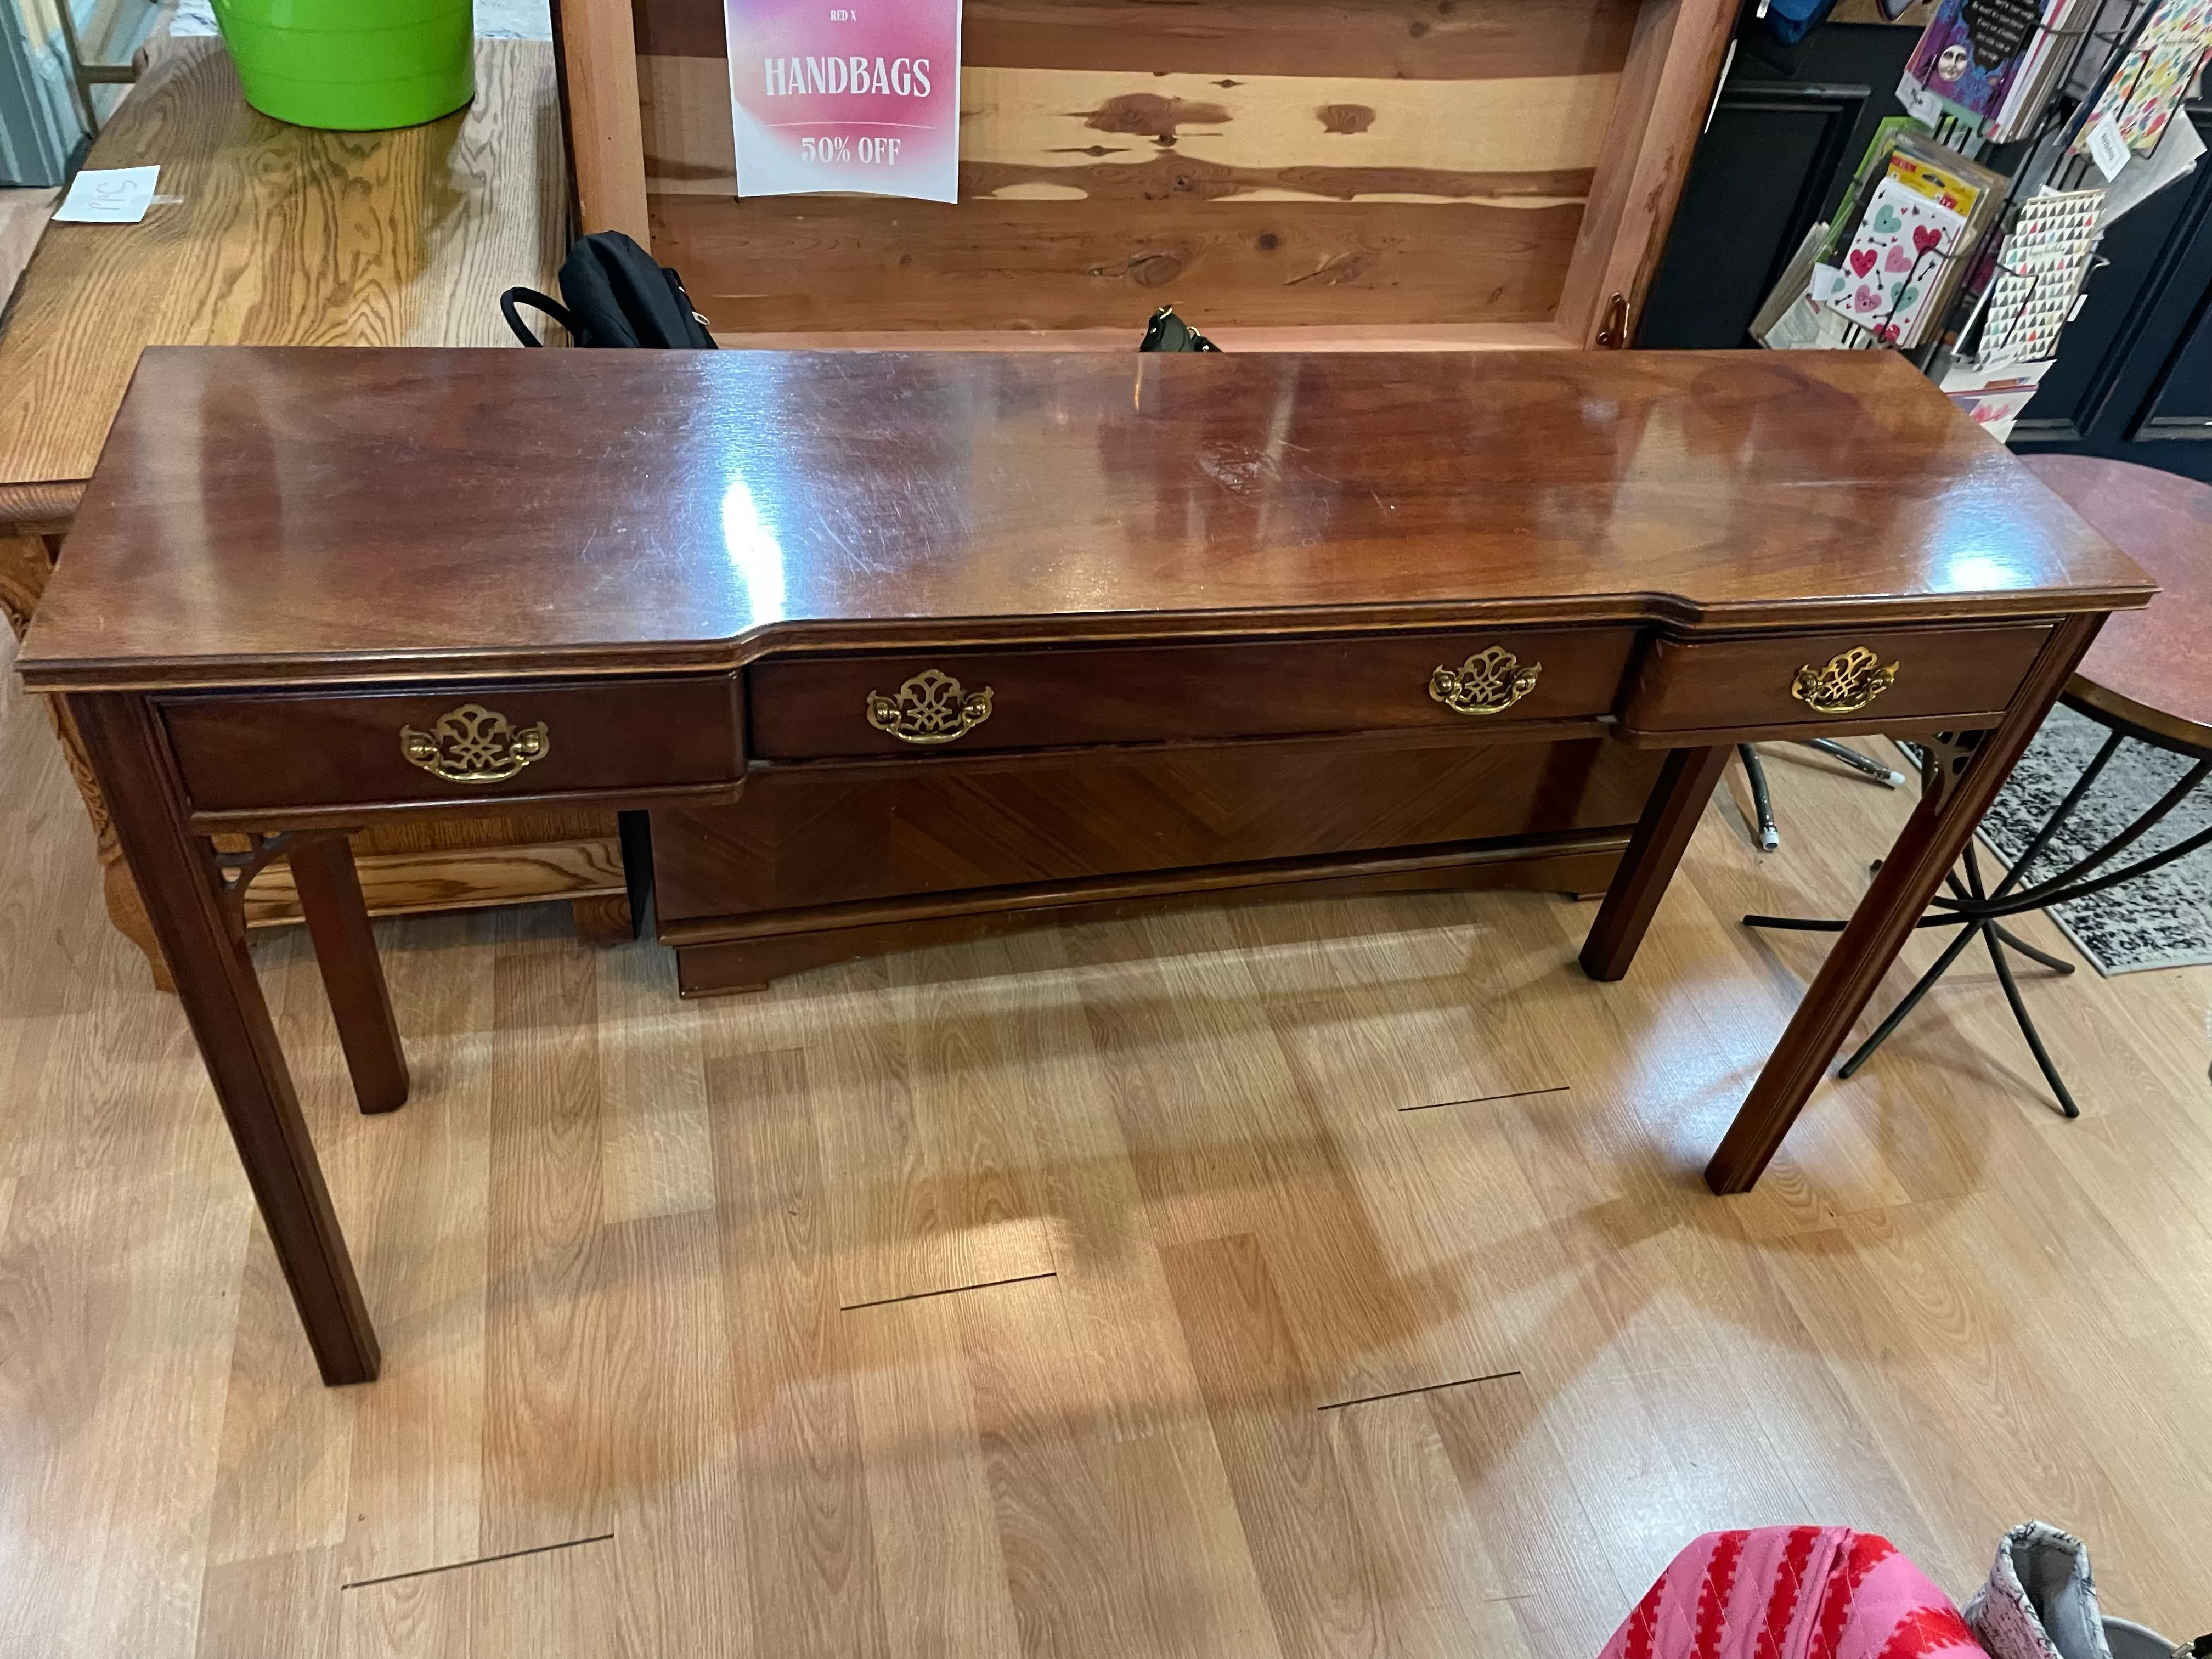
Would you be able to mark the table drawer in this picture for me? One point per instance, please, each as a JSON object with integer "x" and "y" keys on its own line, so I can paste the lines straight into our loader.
{"x": 456, "y": 745}
{"x": 1856, "y": 680}
{"x": 1045, "y": 697}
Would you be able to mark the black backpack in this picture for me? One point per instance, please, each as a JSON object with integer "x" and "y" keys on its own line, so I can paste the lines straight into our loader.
{"x": 617, "y": 296}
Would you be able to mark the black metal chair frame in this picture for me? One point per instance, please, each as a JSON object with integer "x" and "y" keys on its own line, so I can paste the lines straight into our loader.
{"x": 1977, "y": 910}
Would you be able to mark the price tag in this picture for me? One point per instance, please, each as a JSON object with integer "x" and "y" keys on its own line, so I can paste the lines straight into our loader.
{"x": 1922, "y": 105}
{"x": 108, "y": 195}
{"x": 2106, "y": 147}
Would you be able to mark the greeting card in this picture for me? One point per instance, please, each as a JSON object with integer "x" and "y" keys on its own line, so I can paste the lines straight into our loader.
{"x": 2150, "y": 84}
{"x": 1970, "y": 51}
{"x": 1993, "y": 395}
{"x": 1888, "y": 275}
{"x": 2040, "y": 269}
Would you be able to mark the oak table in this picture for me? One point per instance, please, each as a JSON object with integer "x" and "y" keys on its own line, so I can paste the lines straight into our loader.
{"x": 285, "y": 236}
{"x": 1020, "y": 635}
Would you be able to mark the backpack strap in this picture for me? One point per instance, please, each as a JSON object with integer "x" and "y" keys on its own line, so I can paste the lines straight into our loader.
{"x": 544, "y": 302}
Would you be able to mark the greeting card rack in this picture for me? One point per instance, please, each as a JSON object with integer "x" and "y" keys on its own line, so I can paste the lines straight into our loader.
{"x": 2046, "y": 163}
{"x": 1456, "y": 174}
{"x": 1972, "y": 304}
{"x": 2047, "y": 158}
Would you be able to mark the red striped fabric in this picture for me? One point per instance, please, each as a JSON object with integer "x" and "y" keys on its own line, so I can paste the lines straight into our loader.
{"x": 1782, "y": 1605}
{"x": 1792, "y": 1592}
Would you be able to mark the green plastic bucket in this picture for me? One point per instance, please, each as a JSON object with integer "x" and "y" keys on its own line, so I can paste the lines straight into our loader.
{"x": 355, "y": 66}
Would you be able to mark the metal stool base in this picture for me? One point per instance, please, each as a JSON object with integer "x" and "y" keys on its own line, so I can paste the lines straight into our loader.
{"x": 1979, "y": 913}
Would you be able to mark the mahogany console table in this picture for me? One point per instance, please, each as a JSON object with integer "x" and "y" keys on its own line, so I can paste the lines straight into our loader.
{"x": 872, "y": 646}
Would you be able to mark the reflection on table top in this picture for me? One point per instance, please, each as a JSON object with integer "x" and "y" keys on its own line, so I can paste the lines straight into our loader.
{"x": 395, "y": 509}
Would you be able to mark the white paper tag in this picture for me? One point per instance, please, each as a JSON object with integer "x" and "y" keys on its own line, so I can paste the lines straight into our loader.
{"x": 1805, "y": 327}
{"x": 108, "y": 195}
{"x": 2106, "y": 147}
{"x": 1797, "y": 328}
{"x": 1922, "y": 105}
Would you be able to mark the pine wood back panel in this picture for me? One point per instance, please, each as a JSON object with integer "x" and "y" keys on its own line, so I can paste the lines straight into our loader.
{"x": 1258, "y": 162}
{"x": 1412, "y": 39}
{"x": 781, "y": 264}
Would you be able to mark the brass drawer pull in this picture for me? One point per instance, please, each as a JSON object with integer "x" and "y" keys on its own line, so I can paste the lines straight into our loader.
{"x": 1488, "y": 683}
{"x": 1848, "y": 683}
{"x": 931, "y": 708}
{"x": 475, "y": 744}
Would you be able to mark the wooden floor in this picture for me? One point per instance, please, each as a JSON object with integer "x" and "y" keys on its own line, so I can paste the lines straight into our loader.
{"x": 1320, "y": 1280}
{"x": 23, "y": 215}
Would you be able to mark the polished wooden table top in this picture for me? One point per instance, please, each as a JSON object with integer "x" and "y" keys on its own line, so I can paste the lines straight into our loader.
{"x": 381, "y": 514}
{"x": 2154, "y": 667}
{"x": 285, "y": 236}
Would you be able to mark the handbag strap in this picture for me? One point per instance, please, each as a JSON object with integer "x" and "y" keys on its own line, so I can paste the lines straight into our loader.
{"x": 544, "y": 302}
{"x": 1168, "y": 332}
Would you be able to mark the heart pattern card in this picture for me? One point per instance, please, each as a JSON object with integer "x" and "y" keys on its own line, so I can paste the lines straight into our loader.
{"x": 1886, "y": 280}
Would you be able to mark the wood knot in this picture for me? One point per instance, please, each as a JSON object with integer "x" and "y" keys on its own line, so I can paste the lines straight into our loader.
{"x": 1155, "y": 270}
{"x": 1152, "y": 115}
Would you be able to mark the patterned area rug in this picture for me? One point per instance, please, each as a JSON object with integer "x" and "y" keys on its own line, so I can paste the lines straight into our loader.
{"x": 2162, "y": 920}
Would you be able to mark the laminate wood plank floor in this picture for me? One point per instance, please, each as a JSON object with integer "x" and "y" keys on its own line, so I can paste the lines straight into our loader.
{"x": 1284, "y": 1283}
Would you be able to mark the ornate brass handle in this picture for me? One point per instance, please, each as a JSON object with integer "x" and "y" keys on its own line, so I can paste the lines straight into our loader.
{"x": 1488, "y": 683}
{"x": 475, "y": 744}
{"x": 1846, "y": 686}
{"x": 931, "y": 708}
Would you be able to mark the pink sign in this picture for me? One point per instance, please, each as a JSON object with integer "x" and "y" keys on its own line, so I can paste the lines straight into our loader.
{"x": 862, "y": 96}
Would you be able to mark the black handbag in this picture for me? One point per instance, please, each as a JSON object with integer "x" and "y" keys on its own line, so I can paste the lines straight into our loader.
{"x": 617, "y": 296}
{"x": 1168, "y": 332}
